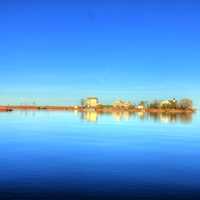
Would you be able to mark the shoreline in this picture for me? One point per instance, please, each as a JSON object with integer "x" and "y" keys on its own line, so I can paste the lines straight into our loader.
{"x": 98, "y": 110}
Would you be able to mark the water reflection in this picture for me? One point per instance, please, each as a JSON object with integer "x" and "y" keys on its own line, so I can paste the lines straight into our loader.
{"x": 118, "y": 116}
{"x": 171, "y": 117}
{"x": 92, "y": 116}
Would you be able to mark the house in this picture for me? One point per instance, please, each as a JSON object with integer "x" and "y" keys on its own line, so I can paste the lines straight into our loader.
{"x": 91, "y": 102}
{"x": 141, "y": 107}
{"x": 122, "y": 104}
{"x": 167, "y": 103}
{"x": 118, "y": 103}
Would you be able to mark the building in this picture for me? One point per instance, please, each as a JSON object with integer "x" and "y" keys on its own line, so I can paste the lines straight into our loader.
{"x": 118, "y": 103}
{"x": 141, "y": 107}
{"x": 91, "y": 102}
{"x": 122, "y": 104}
{"x": 167, "y": 103}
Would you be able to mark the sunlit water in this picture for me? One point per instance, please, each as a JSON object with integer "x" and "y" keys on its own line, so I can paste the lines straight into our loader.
{"x": 67, "y": 155}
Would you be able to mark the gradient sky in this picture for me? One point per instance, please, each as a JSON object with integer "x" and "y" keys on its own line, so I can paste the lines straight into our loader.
{"x": 56, "y": 52}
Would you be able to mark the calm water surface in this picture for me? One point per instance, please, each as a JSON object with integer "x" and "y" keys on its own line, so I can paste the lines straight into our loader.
{"x": 66, "y": 155}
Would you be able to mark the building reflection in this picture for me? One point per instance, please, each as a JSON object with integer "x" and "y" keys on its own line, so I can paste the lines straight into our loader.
{"x": 92, "y": 116}
{"x": 117, "y": 116}
{"x": 126, "y": 115}
{"x": 141, "y": 115}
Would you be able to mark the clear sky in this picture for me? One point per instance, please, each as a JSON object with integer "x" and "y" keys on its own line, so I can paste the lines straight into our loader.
{"x": 56, "y": 52}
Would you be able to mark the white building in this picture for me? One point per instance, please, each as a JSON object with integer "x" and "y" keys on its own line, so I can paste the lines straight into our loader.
{"x": 141, "y": 107}
{"x": 91, "y": 102}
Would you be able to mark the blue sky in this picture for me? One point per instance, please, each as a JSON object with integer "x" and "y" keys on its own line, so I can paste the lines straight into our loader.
{"x": 56, "y": 52}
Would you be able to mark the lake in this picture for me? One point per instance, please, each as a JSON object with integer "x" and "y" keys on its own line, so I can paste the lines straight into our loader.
{"x": 71, "y": 155}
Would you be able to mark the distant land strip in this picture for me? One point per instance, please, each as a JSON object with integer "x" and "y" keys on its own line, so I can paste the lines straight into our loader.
{"x": 93, "y": 104}
{"x": 102, "y": 109}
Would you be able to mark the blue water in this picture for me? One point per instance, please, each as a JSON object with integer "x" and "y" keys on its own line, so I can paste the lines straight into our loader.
{"x": 65, "y": 155}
